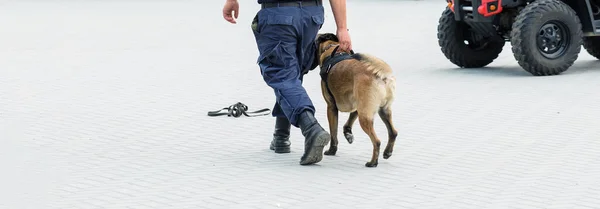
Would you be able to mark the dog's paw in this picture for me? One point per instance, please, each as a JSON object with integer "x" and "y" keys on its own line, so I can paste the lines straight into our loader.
{"x": 331, "y": 151}
{"x": 387, "y": 155}
{"x": 371, "y": 164}
{"x": 349, "y": 137}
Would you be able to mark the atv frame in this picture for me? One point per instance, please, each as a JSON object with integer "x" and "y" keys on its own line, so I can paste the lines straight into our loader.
{"x": 546, "y": 35}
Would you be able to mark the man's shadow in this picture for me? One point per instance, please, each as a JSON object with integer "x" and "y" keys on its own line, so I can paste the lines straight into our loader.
{"x": 515, "y": 70}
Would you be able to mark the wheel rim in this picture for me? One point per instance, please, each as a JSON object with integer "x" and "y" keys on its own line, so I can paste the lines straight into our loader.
{"x": 553, "y": 39}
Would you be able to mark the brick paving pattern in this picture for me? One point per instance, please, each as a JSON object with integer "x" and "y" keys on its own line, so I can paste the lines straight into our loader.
{"x": 103, "y": 105}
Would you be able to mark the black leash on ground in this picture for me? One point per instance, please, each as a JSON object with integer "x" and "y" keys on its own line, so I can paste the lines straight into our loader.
{"x": 238, "y": 109}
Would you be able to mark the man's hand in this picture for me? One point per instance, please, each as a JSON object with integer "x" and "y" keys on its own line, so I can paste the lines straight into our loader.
{"x": 344, "y": 37}
{"x": 231, "y": 6}
{"x": 338, "y": 8}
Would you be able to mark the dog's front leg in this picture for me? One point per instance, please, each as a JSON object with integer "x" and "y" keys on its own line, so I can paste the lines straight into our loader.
{"x": 348, "y": 127}
{"x": 332, "y": 117}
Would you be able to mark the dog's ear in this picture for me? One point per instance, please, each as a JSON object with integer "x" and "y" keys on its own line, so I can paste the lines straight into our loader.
{"x": 325, "y": 37}
{"x": 331, "y": 37}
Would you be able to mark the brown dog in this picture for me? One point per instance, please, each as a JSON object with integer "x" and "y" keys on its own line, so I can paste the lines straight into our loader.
{"x": 361, "y": 85}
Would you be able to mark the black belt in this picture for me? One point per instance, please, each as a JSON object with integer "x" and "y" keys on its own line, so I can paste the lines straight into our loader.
{"x": 292, "y": 4}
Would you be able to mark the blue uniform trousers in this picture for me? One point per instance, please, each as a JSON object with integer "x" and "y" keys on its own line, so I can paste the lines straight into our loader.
{"x": 285, "y": 38}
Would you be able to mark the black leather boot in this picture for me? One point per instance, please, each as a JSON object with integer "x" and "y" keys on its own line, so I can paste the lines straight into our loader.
{"x": 281, "y": 136}
{"x": 315, "y": 138}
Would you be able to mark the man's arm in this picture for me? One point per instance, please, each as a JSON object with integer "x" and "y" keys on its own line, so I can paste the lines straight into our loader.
{"x": 338, "y": 7}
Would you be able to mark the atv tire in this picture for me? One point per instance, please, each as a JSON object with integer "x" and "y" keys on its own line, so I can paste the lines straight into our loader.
{"x": 452, "y": 36}
{"x": 546, "y": 37}
{"x": 592, "y": 45}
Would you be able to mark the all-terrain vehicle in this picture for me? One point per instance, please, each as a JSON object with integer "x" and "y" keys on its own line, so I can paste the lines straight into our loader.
{"x": 546, "y": 35}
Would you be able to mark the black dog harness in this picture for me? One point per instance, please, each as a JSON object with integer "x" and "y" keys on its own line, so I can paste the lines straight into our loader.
{"x": 329, "y": 62}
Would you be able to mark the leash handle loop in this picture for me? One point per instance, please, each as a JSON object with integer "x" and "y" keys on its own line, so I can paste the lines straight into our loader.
{"x": 237, "y": 110}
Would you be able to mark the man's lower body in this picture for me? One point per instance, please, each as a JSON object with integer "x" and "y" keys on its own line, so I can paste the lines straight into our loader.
{"x": 285, "y": 37}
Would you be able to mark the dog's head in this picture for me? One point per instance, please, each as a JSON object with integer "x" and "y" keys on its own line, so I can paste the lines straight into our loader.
{"x": 321, "y": 42}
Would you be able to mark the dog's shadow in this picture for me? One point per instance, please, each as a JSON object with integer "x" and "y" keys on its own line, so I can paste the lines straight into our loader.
{"x": 516, "y": 71}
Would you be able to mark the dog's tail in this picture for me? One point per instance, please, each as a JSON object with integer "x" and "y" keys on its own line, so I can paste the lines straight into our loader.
{"x": 377, "y": 66}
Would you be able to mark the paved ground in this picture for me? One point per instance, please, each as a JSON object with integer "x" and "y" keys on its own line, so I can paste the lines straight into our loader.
{"x": 103, "y": 105}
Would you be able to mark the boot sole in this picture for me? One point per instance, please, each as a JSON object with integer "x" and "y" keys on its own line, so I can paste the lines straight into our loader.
{"x": 315, "y": 152}
{"x": 280, "y": 149}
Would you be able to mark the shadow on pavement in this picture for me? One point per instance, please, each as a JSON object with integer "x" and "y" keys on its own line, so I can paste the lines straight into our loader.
{"x": 512, "y": 71}
{"x": 584, "y": 66}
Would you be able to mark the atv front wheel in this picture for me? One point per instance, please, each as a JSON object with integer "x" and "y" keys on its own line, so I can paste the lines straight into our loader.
{"x": 546, "y": 37}
{"x": 592, "y": 45}
{"x": 463, "y": 46}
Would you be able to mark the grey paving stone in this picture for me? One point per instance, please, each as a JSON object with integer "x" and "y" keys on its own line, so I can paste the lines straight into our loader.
{"x": 103, "y": 105}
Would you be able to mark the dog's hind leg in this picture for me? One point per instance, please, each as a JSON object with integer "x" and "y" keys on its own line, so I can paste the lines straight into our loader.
{"x": 332, "y": 117}
{"x": 366, "y": 122}
{"x": 386, "y": 115}
{"x": 367, "y": 106}
{"x": 348, "y": 127}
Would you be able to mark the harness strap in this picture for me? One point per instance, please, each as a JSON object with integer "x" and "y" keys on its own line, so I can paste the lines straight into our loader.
{"x": 328, "y": 63}
{"x": 238, "y": 109}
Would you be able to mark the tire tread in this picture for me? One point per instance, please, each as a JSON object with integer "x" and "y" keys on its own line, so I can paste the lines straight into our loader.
{"x": 461, "y": 56}
{"x": 592, "y": 45}
{"x": 522, "y": 27}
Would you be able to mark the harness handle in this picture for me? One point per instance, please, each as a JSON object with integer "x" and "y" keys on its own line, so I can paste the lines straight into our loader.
{"x": 335, "y": 50}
